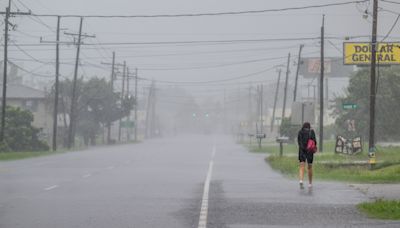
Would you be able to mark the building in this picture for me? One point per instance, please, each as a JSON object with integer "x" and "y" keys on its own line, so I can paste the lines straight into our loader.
{"x": 34, "y": 100}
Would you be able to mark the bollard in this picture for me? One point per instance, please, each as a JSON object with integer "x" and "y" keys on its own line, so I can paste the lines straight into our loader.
{"x": 372, "y": 158}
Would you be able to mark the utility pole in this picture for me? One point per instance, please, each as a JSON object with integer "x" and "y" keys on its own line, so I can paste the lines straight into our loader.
{"x": 285, "y": 89}
{"x": 113, "y": 65}
{"x": 136, "y": 103}
{"x": 122, "y": 98}
{"x": 275, "y": 100}
{"x": 112, "y": 92}
{"x": 373, "y": 76}
{"x": 262, "y": 107}
{"x": 250, "y": 116}
{"x": 7, "y": 13}
{"x": 321, "y": 89}
{"x": 297, "y": 73}
{"x": 153, "y": 112}
{"x": 55, "y": 111}
{"x": 148, "y": 108}
{"x": 72, "y": 116}
{"x": 71, "y": 130}
{"x": 128, "y": 128}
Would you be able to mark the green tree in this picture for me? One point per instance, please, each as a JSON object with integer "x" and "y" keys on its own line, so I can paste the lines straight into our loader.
{"x": 97, "y": 105}
{"x": 20, "y": 135}
{"x": 387, "y": 105}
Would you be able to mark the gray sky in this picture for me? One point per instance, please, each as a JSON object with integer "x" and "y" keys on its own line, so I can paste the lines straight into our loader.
{"x": 187, "y": 62}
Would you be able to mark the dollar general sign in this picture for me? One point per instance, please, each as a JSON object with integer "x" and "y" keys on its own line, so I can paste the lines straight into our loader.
{"x": 360, "y": 53}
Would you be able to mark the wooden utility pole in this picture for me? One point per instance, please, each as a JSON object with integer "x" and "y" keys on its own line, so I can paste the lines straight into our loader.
{"x": 7, "y": 13}
{"x": 285, "y": 89}
{"x": 112, "y": 92}
{"x": 113, "y": 65}
{"x": 71, "y": 130}
{"x": 122, "y": 98}
{"x": 275, "y": 100}
{"x": 56, "y": 84}
{"x": 297, "y": 73}
{"x": 128, "y": 128}
{"x": 136, "y": 103}
{"x": 373, "y": 78}
{"x": 321, "y": 89}
{"x": 73, "y": 114}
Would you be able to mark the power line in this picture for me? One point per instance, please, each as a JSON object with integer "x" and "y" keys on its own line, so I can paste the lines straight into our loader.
{"x": 391, "y": 2}
{"x": 391, "y": 29}
{"x": 210, "y": 13}
{"x": 212, "y": 81}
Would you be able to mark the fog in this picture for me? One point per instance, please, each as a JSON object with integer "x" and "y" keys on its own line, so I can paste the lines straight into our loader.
{"x": 163, "y": 92}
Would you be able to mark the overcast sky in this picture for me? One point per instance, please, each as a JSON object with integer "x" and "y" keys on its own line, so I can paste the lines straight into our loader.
{"x": 187, "y": 62}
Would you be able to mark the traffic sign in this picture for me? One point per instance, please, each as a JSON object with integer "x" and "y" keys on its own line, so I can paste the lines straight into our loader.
{"x": 349, "y": 106}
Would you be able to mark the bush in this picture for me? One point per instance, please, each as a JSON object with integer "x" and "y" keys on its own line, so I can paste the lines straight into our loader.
{"x": 20, "y": 135}
{"x": 4, "y": 147}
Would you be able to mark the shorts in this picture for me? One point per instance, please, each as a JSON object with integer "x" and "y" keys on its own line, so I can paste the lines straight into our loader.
{"x": 305, "y": 156}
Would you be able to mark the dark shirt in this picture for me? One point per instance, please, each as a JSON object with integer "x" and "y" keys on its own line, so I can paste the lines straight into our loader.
{"x": 303, "y": 136}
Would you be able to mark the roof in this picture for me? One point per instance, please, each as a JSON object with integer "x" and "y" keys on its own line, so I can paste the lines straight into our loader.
{"x": 18, "y": 91}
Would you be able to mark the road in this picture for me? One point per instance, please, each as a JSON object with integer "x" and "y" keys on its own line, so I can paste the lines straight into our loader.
{"x": 187, "y": 181}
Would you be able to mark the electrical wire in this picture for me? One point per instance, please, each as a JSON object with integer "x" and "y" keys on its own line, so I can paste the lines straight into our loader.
{"x": 391, "y": 2}
{"x": 391, "y": 29}
{"x": 210, "y": 13}
{"x": 212, "y": 81}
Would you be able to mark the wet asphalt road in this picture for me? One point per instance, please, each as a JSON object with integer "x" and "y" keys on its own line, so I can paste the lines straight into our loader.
{"x": 160, "y": 183}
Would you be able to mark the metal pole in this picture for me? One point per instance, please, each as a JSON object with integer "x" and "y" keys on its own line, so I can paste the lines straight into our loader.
{"x": 373, "y": 76}
{"x": 55, "y": 112}
{"x": 71, "y": 133}
{"x": 321, "y": 89}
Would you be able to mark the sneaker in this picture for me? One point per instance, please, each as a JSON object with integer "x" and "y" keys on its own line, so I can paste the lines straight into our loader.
{"x": 301, "y": 185}
{"x": 309, "y": 185}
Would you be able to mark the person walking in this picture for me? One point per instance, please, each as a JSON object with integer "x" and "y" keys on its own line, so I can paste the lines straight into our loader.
{"x": 305, "y": 155}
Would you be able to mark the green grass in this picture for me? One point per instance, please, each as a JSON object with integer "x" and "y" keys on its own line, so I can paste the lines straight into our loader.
{"x": 357, "y": 174}
{"x": 339, "y": 167}
{"x": 273, "y": 148}
{"x": 381, "y": 209}
{"x": 9, "y": 156}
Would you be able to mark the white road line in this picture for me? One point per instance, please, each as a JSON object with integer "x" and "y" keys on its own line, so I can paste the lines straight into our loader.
{"x": 204, "y": 201}
{"x": 87, "y": 175}
{"x": 51, "y": 188}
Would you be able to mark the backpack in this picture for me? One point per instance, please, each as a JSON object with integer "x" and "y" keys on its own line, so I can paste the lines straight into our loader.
{"x": 311, "y": 147}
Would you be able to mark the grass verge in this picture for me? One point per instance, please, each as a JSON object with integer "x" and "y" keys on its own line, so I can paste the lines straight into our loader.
{"x": 381, "y": 209}
{"x": 9, "y": 156}
{"x": 338, "y": 167}
{"x": 357, "y": 174}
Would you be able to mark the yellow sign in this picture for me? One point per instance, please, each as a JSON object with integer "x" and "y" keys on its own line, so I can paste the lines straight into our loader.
{"x": 360, "y": 53}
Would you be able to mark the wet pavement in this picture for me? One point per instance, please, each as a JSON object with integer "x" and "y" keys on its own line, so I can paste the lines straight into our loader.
{"x": 161, "y": 183}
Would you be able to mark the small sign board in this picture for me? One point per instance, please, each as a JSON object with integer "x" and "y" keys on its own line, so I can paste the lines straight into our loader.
{"x": 357, "y": 53}
{"x": 127, "y": 124}
{"x": 349, "y": 106}
{"x": 310, "y": 67}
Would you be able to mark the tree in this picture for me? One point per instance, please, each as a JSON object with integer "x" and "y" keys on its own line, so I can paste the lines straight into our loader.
{"x": 97, "y": 105}
{"x": 20, "y": 135}
{"x": 387, "y": 105}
